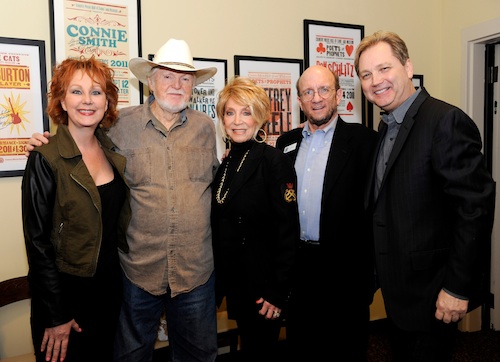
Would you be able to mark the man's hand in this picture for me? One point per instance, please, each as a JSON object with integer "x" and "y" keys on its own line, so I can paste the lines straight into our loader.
{"x": 36, "y": 140}
{"x": 450, "y": 309}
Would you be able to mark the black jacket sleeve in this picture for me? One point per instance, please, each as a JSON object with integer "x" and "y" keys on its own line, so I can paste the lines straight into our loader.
{"x": 38, "y": 198}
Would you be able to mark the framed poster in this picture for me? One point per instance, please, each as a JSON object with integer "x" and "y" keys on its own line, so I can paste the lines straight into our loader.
{"x": 23, "y": 99}
{"x": 107, "y": 29}
{"x": 333, "y": 45}
{"x": 205, "y": 95}
{"x": 278, "y": 76}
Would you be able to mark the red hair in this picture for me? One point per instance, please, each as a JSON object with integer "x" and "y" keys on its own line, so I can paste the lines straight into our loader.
{"x": 95, "y": 69}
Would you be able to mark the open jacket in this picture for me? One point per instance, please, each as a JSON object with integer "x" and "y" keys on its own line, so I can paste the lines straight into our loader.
{"x": 345, "y": 235}
{"x": 433, "y": 217}
{"x": 62, "y": 216}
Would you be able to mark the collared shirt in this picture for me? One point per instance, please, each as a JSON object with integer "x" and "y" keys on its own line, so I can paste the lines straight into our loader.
{"x": 393, "y": 121}
{"x": 169, "y": 173}
{"x": 310, "y": 166}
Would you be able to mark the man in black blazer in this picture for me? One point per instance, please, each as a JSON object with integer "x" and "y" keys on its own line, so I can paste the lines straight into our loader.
{"x": 335, "y": 256}
{"x": 432, "y": 200}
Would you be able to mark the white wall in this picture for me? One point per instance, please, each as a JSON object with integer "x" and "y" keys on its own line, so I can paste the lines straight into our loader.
{"x": 224, "y": 28}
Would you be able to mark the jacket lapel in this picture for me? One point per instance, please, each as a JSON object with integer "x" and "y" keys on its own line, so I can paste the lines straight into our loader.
{"x": 369, "y": 191}
{"x": 340, "y": 149}
{"x": 404, "y": 131}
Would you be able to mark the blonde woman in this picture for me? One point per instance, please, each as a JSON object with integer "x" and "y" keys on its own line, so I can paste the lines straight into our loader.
{"x": 254, "y": 221}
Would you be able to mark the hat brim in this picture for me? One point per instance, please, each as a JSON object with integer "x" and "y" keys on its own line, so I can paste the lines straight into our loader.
{"x": 141, "y": 67}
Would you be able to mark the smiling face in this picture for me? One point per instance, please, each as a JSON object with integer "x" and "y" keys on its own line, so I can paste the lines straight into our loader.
{"x": 84, "y": 100}
{"x": 384, "y": 80}
{"x": 172, "y": 89}
{"x": 319, "y": 111}
{"x": 239, "y": 123}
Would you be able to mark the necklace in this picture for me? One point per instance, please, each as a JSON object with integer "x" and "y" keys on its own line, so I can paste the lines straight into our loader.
{"x": 220, "y": 200}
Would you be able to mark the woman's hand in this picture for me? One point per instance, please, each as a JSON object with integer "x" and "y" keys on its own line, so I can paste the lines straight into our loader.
{"x": 268, "y": 310}
{"x": 55, "y": 341}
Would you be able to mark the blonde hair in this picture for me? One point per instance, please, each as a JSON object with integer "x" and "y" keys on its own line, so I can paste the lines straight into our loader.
{"x": 244, "y": 91}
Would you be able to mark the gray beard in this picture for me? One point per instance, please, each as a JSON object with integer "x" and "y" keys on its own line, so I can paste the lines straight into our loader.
{"x": 166, "y": 106}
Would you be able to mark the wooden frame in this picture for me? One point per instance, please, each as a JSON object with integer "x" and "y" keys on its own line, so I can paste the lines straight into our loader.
{"x": 333, "y": 45}
{"x": 278, "y": 76}
{"x": 23, "y": 99}
{"x": 110, "y": 30}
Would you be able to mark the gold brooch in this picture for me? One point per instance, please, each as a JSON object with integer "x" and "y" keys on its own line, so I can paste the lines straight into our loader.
{"x": 290, "y": 195}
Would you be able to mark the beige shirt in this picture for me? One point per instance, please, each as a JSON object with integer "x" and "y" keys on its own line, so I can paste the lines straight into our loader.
{"x": 170, "y": 175}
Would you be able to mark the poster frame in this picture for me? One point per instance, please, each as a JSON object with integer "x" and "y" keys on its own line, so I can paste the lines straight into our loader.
{"x": 14, "y": 108}
{"x": 245, "y": 64}
{"x": 57, "y": 12}
{"x": 313, "y": 28}
{"x": 219, "y": 80}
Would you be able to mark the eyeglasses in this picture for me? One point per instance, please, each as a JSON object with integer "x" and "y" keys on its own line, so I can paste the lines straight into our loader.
{"x": 324, "y": 92}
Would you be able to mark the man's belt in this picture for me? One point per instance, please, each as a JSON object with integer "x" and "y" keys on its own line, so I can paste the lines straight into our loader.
{"x": 309, "y": 243}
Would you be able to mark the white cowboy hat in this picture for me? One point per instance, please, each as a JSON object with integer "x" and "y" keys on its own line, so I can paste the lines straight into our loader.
{"x": 174, "y": 54}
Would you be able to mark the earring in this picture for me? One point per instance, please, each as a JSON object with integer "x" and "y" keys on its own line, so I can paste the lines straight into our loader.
{"x": 260, "y": 137}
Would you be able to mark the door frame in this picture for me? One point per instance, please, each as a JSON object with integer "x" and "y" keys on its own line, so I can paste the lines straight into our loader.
{"x": 474, "y": 40}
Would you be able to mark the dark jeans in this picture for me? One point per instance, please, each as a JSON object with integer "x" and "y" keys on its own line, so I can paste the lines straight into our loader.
{"x": 191, "y": 323}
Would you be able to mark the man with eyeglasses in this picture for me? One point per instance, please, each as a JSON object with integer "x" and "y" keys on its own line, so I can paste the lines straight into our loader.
{"x": 335, "y": 251}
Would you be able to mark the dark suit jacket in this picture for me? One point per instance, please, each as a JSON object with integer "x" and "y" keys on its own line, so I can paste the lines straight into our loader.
{"x": 345, "y": 236}
{"x": 433, "y": 217}
{"x": 255, "y": 231}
